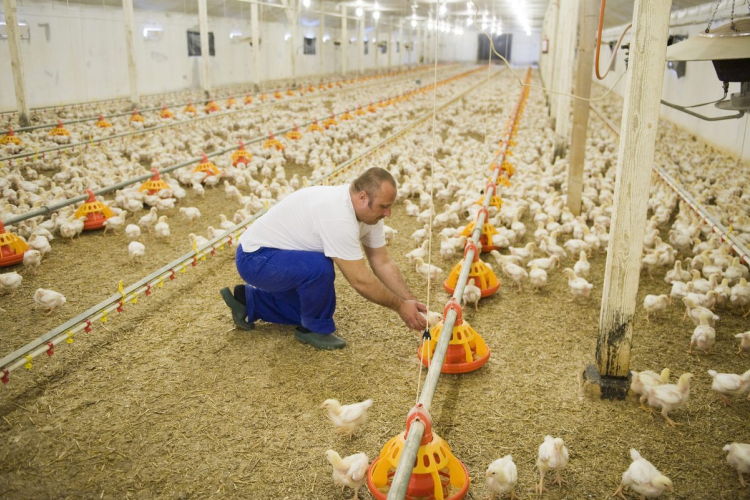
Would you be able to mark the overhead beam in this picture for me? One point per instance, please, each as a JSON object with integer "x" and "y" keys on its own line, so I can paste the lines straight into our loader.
{"x": 16, "y": 63}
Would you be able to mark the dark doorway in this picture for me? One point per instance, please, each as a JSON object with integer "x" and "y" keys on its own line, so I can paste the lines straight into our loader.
{"x": 503, "y": 45}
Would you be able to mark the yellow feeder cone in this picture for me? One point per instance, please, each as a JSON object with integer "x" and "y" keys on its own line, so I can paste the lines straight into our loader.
{"x": 495, "y": 200}
{"x": 189, "y": 108}
{"x": 94, "y": 211}
{"x": 488, "y": 231}
{"x": 483, "y": 276}
{"x": 272, "y": 142}
{"x": 206, "y": 166}
{"x": 136, "y": 117}
{"x": 12, "y": 248}
{"x": 295, "y": 134}
{"x": 466, "y": 352}
{"x": 154, "y": 184}
{"x": 241, "y": 156}
{"x": 165, "y": 113}
{"x": 437, "y": 473}
{"x": 212, "y": 107}
{"x": 315, "y": 127}
{"x": 102, "y": 123}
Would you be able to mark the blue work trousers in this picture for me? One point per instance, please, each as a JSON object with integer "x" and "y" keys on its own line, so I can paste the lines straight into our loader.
{"x": 289, "y": 287}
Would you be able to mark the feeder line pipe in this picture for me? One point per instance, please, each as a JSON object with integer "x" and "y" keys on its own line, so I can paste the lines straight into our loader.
{"x": 65, "y": 331}
{"x": 201, "y": 100}
{"x": 175, "y": 124}
{"x": 404, "y": 468}
{"x": 46, "y": 210}
{"x": 717, "y": 227}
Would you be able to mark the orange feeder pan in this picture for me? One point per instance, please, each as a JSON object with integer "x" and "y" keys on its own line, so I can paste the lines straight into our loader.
{"x": 189, "y": 108}
{"x": 437, "y": 473}
{"x": 467, "y": 350}
{"x": 95, "y": 212}
{"x": 206, "y": 166}
{"x": 102, "y": 123}
{"x": 248, "y": 99}
{"x": 488, "y": 231}
{"x": 12, "y": 248}
{"x": 136, "y": 117}
{"x": 360, "y": 112}
{"x": 330, "y": 122}
{"x": 166, "y": 113}
{"x": 154, "y": 184}
{"x": 241, "y": 156}
{"x": 483, "y": 276}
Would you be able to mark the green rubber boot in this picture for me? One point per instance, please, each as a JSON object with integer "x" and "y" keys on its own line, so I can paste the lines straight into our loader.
{"x": 327, "y": 342}
{"x": 239, "y": 312}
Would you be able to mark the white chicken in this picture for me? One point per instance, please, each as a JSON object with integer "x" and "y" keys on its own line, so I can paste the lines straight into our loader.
{"x": 347, "y": 418}
{"x": 31, "y": 260}
{"x": 655, "y": 304}
{"x": 427, "y": 270}
{"x": 191, "y": 214}
{"x": 739, "y": 458}
{"x": 114, "y": 223}
{"x": 432, "y": 318}
{"x": 704, "y": 336}
{"x": 553, "y": 455}
{"x": 136, "y": 250}
{"x": 641, "y": 382}
{"x": 161, "y": 228}
{"x": 537, "y": 276}
{"x": 472, "y": 294}
{"x": 729, "y": 384}
{"x": 501, "y": 477}
{"x": 578, "y": 286}
{"x": 582, "y": 266}
{"x": 643, "y": 478}
{"x": 390, "y": 234}
{"x": 10, "y": 281}
{"x": 420, "y": 252}
{"x": 133, "y": 232}
{"x": 350, "y": 471}
{"x": 49, "y": 299}
{"x": 744, "y": 339}
{"x": 670, "y": 397}
{"x": 149, "y": 220}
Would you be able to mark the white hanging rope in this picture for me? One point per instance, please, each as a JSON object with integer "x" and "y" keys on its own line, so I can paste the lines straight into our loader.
{"x": 430, "y": 208}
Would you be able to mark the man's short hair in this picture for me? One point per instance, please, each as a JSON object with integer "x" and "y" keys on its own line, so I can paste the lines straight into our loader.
{"x": 370, "y": 181}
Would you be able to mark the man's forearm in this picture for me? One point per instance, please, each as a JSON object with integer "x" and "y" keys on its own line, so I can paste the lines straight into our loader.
{"x": 375, "y": 291}
{"x": 392, "y": 278}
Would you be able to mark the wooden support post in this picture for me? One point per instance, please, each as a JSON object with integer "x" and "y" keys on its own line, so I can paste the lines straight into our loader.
{"x": 640, "y": 120}
{"x": 16, "y": 63}
{"x": 361, "y": 46}
{"x": 375, "y": 41}
{"x": 400, "y": 42}
{"x": 205, "y": 48}
{"x": 586, "y": 45}
{"x": 292, "y": 14}
{"x": 321, "y": 35}
{"x": 565, "y": 82}
{"x": 557, "y": 48}
{"x": 553, "y": 12}
{"x": 389, "y": 48}
{"x": 255, "y": 27}
{"x": 344, "y": 40}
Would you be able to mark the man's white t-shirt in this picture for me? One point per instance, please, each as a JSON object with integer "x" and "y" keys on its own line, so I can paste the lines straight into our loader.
{"x": 317, "y": 219}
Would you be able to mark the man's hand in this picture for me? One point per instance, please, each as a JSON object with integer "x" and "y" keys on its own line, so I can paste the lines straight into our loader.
{"x": 409, "y": 310}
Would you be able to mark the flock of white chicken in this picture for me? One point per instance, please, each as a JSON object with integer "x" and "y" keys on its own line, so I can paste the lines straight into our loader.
{"x": 701, "y": 271}
{"x": 38, "y": 182}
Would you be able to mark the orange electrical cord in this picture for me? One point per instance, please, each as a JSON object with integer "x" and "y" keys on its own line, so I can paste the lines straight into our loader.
{"x": 599, "y": 43}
